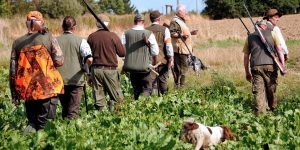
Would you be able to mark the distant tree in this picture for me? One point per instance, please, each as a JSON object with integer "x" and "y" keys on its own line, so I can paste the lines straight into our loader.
{"x": 128, "y": 7}
{"x": 219, "y": 9}
{"x": 94, "y": 5}
{"x": 5, "y": 8}
{"x": 58, "y": 8}
{"x": 22, "y": 6}
{"x": 116, "y": 6}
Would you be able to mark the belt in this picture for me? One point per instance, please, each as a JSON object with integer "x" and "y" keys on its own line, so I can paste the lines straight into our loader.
{"x": 104, "y": 67}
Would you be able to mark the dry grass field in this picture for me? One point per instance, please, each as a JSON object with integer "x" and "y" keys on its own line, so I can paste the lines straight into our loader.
{"x": 219, "y": 42}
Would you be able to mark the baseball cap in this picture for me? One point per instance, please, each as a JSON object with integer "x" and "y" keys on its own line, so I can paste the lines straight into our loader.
{"x": 36, "y": 14}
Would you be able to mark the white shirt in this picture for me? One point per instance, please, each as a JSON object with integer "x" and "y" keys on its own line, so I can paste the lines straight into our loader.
{"x": 154, "y": 49}
{"x": 167, "y": 40}
{"x": 281, "y": 39}
{"x": 85, "y": 49}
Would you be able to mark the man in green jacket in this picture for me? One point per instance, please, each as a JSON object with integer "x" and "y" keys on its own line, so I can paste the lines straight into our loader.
{"x": 141, "y": 49}
{"x": 77, "y": 52}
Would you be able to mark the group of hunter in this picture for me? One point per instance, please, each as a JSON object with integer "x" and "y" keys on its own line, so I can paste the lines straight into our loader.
{"x": 45, "y": 69}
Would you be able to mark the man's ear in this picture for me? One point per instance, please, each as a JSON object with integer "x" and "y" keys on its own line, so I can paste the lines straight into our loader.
{"x": 190, "y": 126}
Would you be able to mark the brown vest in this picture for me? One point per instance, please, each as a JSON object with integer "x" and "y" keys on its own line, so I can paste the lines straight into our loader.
{"x": 259, "y": 54}
{"x": 159, "y": 32}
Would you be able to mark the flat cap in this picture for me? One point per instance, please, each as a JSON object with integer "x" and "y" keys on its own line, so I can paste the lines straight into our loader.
{"x": 139, "y": 17}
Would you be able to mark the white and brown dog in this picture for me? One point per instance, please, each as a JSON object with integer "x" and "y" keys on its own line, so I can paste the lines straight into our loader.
{"x": 202, "y": 136}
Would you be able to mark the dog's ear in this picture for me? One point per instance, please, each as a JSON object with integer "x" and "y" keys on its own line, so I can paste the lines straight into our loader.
{"x": 227, "y": 133}
{"x": 190, "y": 126}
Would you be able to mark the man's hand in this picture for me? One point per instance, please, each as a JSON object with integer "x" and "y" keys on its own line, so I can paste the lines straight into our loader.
{"x": 248, "y": 76}
{"x": 194, "y": 32}
{"x": 185, "y": 36}
{"x": 170, "y": 62}
{"x": 90, "y": 80}
{"x": 286, "y": 57}
{"x": 15, "y": 101}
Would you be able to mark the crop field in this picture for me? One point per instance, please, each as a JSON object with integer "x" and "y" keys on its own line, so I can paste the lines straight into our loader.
{"x": 219, "y": 96}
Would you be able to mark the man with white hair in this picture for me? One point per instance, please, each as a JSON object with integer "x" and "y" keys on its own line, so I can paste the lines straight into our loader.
{"x": 181, "y": 51}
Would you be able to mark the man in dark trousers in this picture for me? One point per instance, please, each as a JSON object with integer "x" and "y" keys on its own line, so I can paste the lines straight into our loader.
{"x": 76, "y": 51}
{"x": 263, "y": 69}
{"x": 141, "y": 49}
{"x": 165, "y": 56}
{"x": 33, "y": 74}
{"x": 105, "y": 47}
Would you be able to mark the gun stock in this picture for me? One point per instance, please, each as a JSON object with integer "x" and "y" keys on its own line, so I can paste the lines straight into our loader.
{"x": 270, "y": 50}
{"x": 95, "y": 16}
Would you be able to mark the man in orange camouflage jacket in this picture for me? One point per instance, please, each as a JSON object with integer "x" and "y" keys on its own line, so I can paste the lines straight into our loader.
{"x": 33, "y": 74}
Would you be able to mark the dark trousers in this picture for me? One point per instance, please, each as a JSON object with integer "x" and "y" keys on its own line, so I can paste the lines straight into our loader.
{"x": 70, "y": 101}
{"x": 180, "y": 68}
{"x": 160, "y": 82}
{"x": 39, "y": 111}
{"x": 141, "y": 83}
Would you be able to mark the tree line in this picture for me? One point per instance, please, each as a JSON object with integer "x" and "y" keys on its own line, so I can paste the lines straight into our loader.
{"x": 58, "y": 8}
{"x": 219, "y": 9}
{"x": 215, "y": 9}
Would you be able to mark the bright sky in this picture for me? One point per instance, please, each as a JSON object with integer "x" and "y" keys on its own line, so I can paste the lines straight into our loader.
{"x": 144, "y": 5}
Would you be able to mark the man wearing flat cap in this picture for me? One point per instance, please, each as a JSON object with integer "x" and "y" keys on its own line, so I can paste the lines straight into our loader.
{"x": 34, "y": 77}
{"x": 165, "y": 56}
{"x": 273, "y": 17}
{"x": 141, "y": 51}
{"x": 262, "y": 71}
{"x": 106, "y": 46}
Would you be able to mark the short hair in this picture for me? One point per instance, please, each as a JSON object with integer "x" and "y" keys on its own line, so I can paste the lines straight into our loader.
{"x": 68, "y": 23}
{"x": 180, "y": 7}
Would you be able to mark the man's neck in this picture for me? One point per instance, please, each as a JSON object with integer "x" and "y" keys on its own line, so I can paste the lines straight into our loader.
{"x": 182, "y": 18}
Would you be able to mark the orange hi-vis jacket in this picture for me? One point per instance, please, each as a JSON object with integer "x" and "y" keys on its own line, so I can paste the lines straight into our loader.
{"x": 34, "y": 74}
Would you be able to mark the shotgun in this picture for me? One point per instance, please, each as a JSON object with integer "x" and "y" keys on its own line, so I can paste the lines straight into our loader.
{"x": 195, "y": 62}
{"x": 95, "y": 16}
{"x": 269, "y": 48}
{"x": 87, "y": 71}
{"x": 248, "y": 32}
